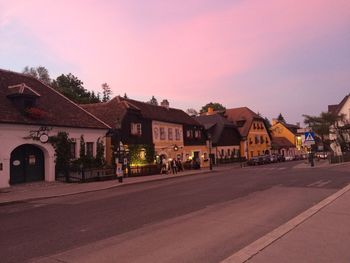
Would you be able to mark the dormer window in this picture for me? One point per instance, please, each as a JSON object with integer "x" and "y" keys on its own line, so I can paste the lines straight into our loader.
{"x": 22, "y": 96}
{"x": 240, "y": 123}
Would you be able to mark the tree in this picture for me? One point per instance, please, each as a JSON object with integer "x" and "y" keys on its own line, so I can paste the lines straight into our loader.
{"x": 72, "y": 87}
{"x": 214, "y": 105}
{"x": 267, "y": 123}
{"x": 280, "y": 118}
{"x": 62, "y": 143}
{"x": 40, "y": 72}
{"x": 82, "y": 152}
{"x": 106, "y": 92}
{"x": 325, "y": 124}
{"x": 192, "y": 112}
{"x": 153, "y": 101}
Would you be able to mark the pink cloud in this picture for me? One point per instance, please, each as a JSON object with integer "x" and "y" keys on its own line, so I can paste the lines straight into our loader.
{"x": 177, "y": 58}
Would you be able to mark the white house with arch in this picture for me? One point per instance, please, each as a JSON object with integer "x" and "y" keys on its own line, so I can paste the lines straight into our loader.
{"x": 31, "y": 112}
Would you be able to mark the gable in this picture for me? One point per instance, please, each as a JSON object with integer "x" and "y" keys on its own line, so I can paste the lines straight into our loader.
{"x": 50, "y": 108}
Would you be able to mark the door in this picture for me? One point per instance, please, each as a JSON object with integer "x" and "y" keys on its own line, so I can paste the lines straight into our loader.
{"x": 26, "y": 164}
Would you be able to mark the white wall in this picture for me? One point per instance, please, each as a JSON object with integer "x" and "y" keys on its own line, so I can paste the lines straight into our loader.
{"x": 12, "y": 136}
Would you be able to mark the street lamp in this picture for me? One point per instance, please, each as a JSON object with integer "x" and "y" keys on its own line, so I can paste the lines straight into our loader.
{"x": 209, "y": 146}
{"x": 116, "y": 141}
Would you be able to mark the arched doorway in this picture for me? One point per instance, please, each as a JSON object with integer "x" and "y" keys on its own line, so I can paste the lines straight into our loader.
{"x": 26, "y": 164}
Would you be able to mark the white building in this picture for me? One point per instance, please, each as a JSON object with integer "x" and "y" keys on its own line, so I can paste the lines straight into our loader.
{"x": 343, "y": 108}
{"x": 31, "y": 112}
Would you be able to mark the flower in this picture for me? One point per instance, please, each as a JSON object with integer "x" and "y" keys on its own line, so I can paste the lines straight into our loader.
{"x": 36, "y": 113}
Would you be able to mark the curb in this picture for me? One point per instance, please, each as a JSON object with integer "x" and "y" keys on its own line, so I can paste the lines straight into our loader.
{"x": 254, "y": 248}
{"x": 101, "y": 189}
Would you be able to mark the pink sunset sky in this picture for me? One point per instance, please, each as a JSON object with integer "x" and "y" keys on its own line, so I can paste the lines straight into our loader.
{"x": 273, "y": 56}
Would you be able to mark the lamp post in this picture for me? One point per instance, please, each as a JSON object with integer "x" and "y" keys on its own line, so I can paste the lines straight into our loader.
{"x": 116, "y": 141}
{"x": 209, "y": 146}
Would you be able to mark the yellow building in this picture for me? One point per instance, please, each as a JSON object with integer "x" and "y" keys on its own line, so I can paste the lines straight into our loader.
{"x": 290, "y": 133}
{"x": 256, "y": 140}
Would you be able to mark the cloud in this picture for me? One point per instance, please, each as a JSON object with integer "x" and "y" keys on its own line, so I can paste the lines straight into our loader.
{"x": 217, "y": 49}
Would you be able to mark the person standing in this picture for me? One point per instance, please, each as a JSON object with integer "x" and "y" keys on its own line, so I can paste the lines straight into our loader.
{"x": 174, "y": 166}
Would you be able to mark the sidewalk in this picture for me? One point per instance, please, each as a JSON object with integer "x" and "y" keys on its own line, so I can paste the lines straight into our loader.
{"x": 320, "y": 234}
{"x": 41, "y": 190}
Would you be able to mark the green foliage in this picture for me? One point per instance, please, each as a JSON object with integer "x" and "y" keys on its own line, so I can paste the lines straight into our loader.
{"x": 267, "y": 123}
{"x": 106, "y": 92}
{"x": 135, "y": 156}
{"x": 214, "y": 105}
{"x": 82, "y": 152}
{"x": 322, "y": 125}
{"x": 72, "y": 87}
{"x": 61, "y": 144}
{"x": 99, "y": 159}
{"x": 40, "y": 73}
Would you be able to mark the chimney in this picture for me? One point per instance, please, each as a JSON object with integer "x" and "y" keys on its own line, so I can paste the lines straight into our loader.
{"x": 274, "y": 121}
{"x": 210, "y": 111}
{"x": 165, "y": 104}
{"x": 298, "y": 124}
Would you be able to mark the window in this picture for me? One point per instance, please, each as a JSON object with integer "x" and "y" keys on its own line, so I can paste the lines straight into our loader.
{"x": 170, "y": 134}
{"x": 222, "y": 153}
{"x": 266, "y": 140}
{"x": 89, "y": 149}
{"x": 228, "y": 152}
{"x": 136, "y": 129}
{"x": 261, "y": 139}
{"x": 256, "y": 139}
{"x": 254, "y": 126}
{"x": 177, "y": 134}
{"x": 197, "y": 134}
{"x": 162, "y": 133}
{"x": 72, "y": 150}
{"x": 189, "y": 134}
{"x": 156, "y": 133}
{"x": 240, "y": 123}
{"x": 250, "y": 141}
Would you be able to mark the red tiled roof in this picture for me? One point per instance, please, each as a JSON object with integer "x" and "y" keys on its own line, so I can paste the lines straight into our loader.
{"x": 281, "y": 142}
{"x": 160, "y": 113}
{"x": 59, "y": 111}
{"x": 109, "y": 112}
{"x": 242, "y": 114}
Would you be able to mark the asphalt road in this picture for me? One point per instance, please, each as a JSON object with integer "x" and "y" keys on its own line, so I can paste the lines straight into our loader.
{"x": 199, "y": 218}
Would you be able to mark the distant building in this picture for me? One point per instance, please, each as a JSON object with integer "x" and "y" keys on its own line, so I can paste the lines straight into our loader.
{"x": 223, "y": 134}
{"x": 286, "y": 140}
{"x": 30, "y": 113}
{"x": 340, "y": 137}
{"x": 254, "y": 133}
{"x": 171, "y": 132}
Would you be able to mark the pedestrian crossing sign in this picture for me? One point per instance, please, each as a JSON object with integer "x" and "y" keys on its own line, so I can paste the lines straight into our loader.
{"x": 309, "y": 137}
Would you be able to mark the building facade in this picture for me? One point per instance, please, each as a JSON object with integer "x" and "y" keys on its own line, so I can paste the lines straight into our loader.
{"x": 171, "y": 133}
{"x": 224, "y": 136}
{"x": 291, "y": 145}
{"x": 30, "y": 114}
{"x": 255, "y": 137}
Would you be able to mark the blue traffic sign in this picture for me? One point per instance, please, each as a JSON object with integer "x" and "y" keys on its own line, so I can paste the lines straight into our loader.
{"x": 309, "y": 136}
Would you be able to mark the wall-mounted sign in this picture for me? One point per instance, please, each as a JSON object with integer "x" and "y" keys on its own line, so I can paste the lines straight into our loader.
{"x": 42, "y": 134}
{"x": 44, "y": 138}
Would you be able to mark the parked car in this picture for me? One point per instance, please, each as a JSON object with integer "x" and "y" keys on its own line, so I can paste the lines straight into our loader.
{"x": 280, "y": 158}
{"x": 289, "y": 158}
{"x": 273, "y": 158}
{"x": 321, "y": 155}
{"x": 253, "y": 161}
